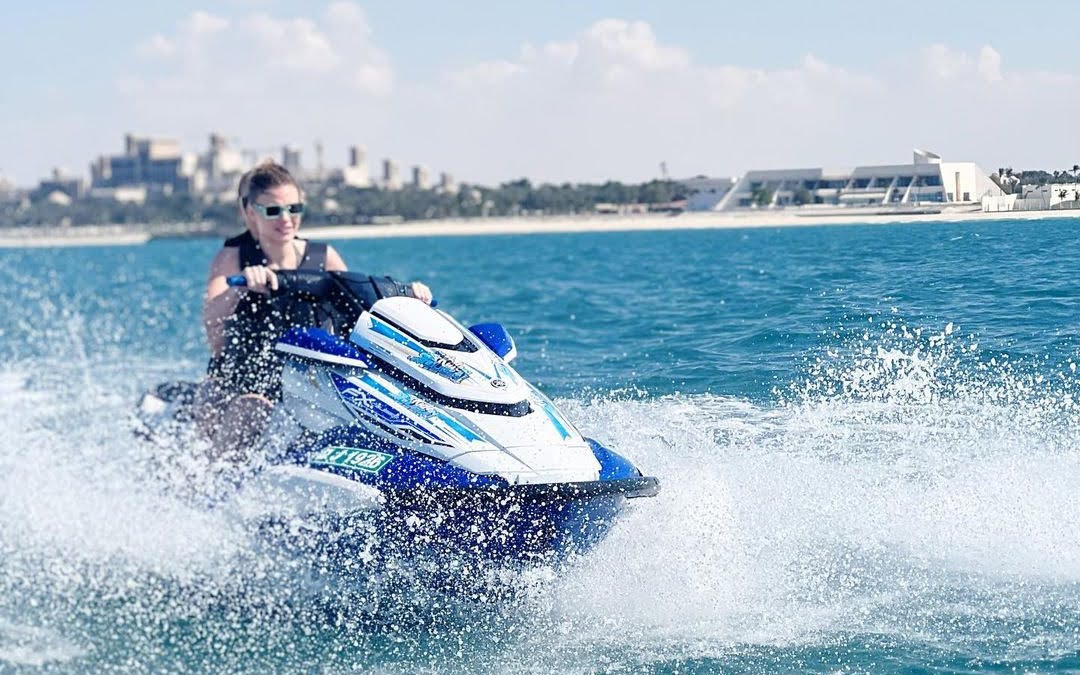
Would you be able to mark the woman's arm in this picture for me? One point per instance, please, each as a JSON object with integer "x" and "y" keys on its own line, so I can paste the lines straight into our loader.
{"x": 221, "y": 299}
{"x": 334, "y": 262}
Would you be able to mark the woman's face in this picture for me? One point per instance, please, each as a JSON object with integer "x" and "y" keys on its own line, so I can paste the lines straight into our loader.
{"x": 281, "y": 227}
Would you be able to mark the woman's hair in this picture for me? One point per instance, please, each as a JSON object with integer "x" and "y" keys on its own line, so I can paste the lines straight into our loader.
{"x": 267, "y": 176}
{"x": 242, "y": 188}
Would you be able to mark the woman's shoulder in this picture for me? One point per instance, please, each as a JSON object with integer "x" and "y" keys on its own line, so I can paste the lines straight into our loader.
{"x": 243, "y": 239}
{"x": 334, "y": 261}
{"x": 226, "y": 261}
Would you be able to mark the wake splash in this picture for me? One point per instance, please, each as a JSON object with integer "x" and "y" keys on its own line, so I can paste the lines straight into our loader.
{"x": 902, "y": 491}
{"x": 905, "y": 487}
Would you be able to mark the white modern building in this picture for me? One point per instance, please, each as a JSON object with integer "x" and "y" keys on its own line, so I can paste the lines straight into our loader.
{"x": 705, "y": 193}
{"x": 926, "y": 181}
{"x": 1051, "y": 196}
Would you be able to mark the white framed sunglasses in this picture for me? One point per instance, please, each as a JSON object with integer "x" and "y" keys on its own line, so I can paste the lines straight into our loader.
{"x": 275, "y": 210}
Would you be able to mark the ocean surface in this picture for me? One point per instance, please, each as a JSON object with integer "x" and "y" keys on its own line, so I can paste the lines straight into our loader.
{"x": 868, "y": 439}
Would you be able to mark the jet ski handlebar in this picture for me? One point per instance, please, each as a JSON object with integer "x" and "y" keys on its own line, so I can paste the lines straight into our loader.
{"x": 293, "y": 282}
{"x": 323, "y": 285}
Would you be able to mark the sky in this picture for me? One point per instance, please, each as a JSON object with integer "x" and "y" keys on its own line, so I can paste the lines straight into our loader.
{"x": 555, "y": 91}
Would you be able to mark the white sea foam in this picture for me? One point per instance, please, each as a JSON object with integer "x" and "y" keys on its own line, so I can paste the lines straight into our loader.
{"x": 76, "y": 481}
{"x": 915, "y": 482}
{"x": 888, "y": 489}
{"x": 34, "y": 647}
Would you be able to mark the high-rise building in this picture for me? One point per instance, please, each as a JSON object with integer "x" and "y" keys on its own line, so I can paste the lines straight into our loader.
{"x": 391, "y": 175}
{"x": 420, "y": 178}
{"x": 447, "y": 184}
{"x": 357, "y": 155}
{"x": 290, "y": 159}
{"x": 356, "y": 173}
{"x": 221, "y": 159}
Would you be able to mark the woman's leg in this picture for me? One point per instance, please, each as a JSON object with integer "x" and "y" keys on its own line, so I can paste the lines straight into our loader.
{"x": 239, "y": 427}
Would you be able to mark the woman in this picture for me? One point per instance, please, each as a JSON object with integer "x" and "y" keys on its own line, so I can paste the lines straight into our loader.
{"x": 242, "y": 324}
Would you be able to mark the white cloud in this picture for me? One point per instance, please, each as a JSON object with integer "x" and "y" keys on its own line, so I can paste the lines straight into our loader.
{"x": 348, "y": 16}
{"x": 610, "y": 52}
{"x": 365, "y": 65}
{"x": 293, "y": 44}
{"x": 942, "y": 62}
{"x": 204, "y": 23}
{"x": 156, "y": 46}
{"x": 485, "y": 74}
{"x": 260, "y": 50}
{"x": 612, "y": 100}
{"x": 372, "y": 78}
{"x": 631, "y": 43}
{"x": 617, "y": 98}
{"x": 989, "y": 64}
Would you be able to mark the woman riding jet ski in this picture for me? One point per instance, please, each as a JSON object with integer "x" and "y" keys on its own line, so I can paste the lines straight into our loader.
{"x": 242, "y": 325}
{"x": 394, "y": 413}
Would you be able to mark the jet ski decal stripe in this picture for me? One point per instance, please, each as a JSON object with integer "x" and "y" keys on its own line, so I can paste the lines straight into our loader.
{"x": 431, "y": 362}
{"x": 389, "y": 331}
{"x": 404, "y": 432}
{"x": 364, "y": 403}
{"x": 549, "y": 410}
{"x": 465, "y": 432}
{"x": 361, "y": 402}
{"x": 416, "y": 405}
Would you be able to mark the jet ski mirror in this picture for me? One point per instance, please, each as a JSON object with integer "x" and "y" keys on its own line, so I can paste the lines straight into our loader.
{"x": 497, "y": 338}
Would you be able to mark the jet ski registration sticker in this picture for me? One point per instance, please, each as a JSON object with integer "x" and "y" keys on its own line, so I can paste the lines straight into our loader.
{"x": 352, "y": 458}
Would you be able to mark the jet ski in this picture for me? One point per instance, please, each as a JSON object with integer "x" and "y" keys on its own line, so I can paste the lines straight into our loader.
{"x": 395, "y": 415}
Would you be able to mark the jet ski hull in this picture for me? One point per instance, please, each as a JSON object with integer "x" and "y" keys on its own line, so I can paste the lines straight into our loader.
{"x": 514, "y": 522}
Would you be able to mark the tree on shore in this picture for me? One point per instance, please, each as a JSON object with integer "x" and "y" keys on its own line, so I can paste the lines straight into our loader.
{"x": 341, "y": 204}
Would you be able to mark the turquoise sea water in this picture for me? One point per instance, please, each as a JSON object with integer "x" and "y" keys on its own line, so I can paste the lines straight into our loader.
{"x": 868, "y": 438}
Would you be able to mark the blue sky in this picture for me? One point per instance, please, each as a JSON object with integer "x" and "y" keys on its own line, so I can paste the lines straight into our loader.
{"x": 556, "y": 91}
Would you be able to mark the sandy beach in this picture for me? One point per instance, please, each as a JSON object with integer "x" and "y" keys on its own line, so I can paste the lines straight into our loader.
{"x": 684, "y": 221}
{"x": 90, "y": 235}
{"x": 117, "y": 235}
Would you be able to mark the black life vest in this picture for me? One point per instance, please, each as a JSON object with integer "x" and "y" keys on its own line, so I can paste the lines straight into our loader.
{"x": 248, "y": 362}
{"x": 245, "y": 238}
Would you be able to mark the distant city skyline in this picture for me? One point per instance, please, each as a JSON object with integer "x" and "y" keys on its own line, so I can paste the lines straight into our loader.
{"x": 562, "y": 92}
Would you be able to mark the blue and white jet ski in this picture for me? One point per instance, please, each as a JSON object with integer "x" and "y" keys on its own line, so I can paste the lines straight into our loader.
{"x": 395, "y": 414}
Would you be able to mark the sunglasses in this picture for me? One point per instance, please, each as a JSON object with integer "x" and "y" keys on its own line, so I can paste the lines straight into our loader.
{"x": 275, "y": 210}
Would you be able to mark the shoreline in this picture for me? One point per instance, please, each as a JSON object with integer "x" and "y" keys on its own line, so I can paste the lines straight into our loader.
{"x": 659, "y": 222}
{"x": 121, "y": 235}
{"x": 87, "y": 235}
